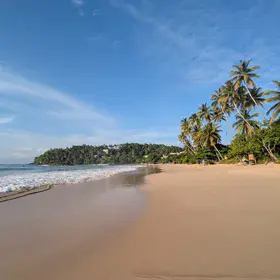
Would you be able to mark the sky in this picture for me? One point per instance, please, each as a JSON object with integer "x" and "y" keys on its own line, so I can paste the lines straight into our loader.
{"x": 112, "y": 71}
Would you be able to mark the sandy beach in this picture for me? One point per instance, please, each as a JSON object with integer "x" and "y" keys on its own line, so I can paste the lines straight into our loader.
{"x": 212, "y": 222}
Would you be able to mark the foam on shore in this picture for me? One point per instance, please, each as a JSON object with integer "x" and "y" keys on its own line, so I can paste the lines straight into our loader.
{"x": 32, "y": 180}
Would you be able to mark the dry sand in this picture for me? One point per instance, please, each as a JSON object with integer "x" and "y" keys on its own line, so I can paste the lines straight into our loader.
{"x": 214, "y": 222}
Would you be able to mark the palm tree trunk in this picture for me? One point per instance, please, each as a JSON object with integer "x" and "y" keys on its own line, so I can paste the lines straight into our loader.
{"x": 217, "y": 155}
{"x": 274, "y": 158}
{"x": 190, "y": 147}
{"x": 238, "y": 111}
{"x": 248, "y": 91}
{"x": 218, "y": 152}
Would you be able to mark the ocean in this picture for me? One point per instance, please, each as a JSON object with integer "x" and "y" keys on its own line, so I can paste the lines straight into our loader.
{"x": 17, "y": 176}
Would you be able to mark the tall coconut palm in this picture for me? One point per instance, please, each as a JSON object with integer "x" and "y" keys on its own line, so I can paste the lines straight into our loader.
{"x": 218, "y": 115}
{"x": 258, "y": 96}
{"x": 275, "y": 97}
{"x": 216, "y": 98}
{"x": 183, "y": 137}
{"x": 195, "y": 120}
{"x": 186, "y": 142}
{"x": 223, "y": 104}
{"x": 204, "y": 113}
{"x": 246, "y": 127}
{"x": 196, "y": 136}
{"x": 233, "y": 97}
{"x": 210, "y": 137}
{"x": 184, "y": 124}
{"x": 220, "y": 102}
{"x": 243, "y": 74}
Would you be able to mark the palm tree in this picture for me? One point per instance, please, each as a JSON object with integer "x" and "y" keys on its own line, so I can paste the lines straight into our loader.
{"x": 220, "y": 103}
{"x": 205, "y": 113}
{"x": 246, "y": 127}
{"x": 218, "y": 115}
{"x": 183, "y": 139}
{"x": 216, "y": 98}
{"x": 233, "y": 97}
{"x": 257, "y": 95}
{"x": 275, "y": 97}
{"x": 186, "y": 131}
{"x": 210, "y": 137}
{"x": 243, "y": 74}
{"x": 194, "y": 120}
{"x": 196, "y": 136}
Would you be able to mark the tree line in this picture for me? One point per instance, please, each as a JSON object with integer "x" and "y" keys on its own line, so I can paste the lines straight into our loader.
{"x": 239, "y": 98}
{"x": 128, "y": 153}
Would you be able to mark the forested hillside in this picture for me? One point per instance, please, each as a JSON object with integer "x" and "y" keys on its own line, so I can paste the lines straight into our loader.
{"x": 113, "y": 154}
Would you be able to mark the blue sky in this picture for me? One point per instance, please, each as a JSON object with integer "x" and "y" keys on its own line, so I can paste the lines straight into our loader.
{"x": 113, "y": 71}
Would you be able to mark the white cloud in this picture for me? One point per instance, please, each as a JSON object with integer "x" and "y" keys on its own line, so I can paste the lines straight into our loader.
{"x": 55, "y": 102}
{"x": 49, "y": 118}
{"x": 6, "y": 120}
{"x": 79, "y": 4}
{"x": 97, "y": 12}
{"x": 18, "y": 146}
{"x": 193, "y": 40}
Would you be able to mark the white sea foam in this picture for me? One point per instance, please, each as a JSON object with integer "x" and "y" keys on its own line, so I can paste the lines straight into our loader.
{"x": 33, "y": 180}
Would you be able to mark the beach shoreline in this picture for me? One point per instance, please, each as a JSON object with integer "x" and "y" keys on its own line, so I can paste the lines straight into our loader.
{"x": 199, "y": 222}
{"x": 6, "y": 196}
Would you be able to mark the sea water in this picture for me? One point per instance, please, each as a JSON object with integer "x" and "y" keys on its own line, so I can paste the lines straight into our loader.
{"x": 16, "y": 176}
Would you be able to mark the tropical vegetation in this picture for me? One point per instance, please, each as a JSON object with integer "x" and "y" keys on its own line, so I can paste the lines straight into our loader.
{"x": 107, "y": 154}
{"x": 241, "y": 99}
{"x": 239, "y": 102}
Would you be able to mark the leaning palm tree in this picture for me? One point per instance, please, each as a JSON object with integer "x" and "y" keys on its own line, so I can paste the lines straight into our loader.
{"x": 275, "y": 97}
{"x": 195, "y": 120}
{"x": 216, "y": 98}
{"x": 249, "y": 126}
{"x": 184, "y": 136}
{"x": 218, "y": 115}
{"x": 196, "y": 136}
{"x": 204, "y": 113}
{"x": 220, "y": 102}
{"x": 233, "y": 97}
{"x": 186, "y": 142}
{"x": 210, "y": 137}
{"x": 226, "y": 108}
{"x": 243, "y": 74}
{"x": 258, "y": 96}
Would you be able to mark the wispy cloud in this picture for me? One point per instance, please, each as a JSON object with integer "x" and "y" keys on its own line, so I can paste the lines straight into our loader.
{"x": 97, "y": 12}
{"x": 57, "y": 103}
{"x": 6, "y": 119}
{"x": 23, "y": 146}
{"x": 79, "y": 4}
{"x": 49, "y": 118}
{"x": 192, "y": 39}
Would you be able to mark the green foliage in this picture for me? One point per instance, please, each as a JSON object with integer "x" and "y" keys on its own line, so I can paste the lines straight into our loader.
{"x": 264, "y": 144}
{"x": 201, "y": 132}
{"x": 206, "y": 154}
{"x": 243, "y": 145}
{"x": 113, "y": 154}
{"x": 240, "y": 96}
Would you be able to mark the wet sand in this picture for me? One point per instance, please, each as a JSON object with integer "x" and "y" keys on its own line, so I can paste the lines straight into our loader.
{"x": 214, "y": 222}
{"x": 44, "y": 233}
